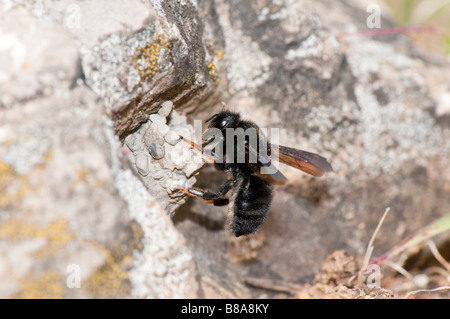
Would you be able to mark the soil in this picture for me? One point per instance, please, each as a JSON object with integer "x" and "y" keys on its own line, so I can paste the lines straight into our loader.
{"x": 338, "y": 279}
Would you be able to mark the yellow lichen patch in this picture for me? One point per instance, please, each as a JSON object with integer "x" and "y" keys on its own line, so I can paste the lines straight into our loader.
{"x": 212, "y": 73}
{"x": 8, "y": 141}
{"x": 7, "y": 176}
{"x": 16, "y": 229}
{"x": 110, "y": 281}
{"x": 99, "y": 183}
{"x": 13, "y": 187}
{"x": 48, "y": 286}
{"x": 47, "y": 156}
{"x": 23, "y": 188}
{"x": 275, "y": 9}
{"x": 211, "y": 67}
{"x": 82, "y": 178}
{"x": 220, "y": 53}
{"x": 82, "y": 175}
{"x": 146, "y": 58}
{"x": 57, "y": 234}
{"x": 217, "y": 52}
{"x": 138, "y": 234}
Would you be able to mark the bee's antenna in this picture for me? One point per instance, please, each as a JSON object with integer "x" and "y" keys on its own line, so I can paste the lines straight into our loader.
{"x": 212, "y": 117}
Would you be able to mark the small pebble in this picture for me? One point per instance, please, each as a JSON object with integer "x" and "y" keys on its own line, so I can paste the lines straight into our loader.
{"x": 165, "y": 109}
{"x": 134, "y": 142}
{"x": 156, "y": 151}
{"x": 179, "y": 156}
{"x": 421, "y": 281}
{"x": 158, "y": 175}
{"x": 163, "y": 129}
{"x": 142, "y": 164}
{"x": 157, "y": 119}
{"x": 172, "y": 137}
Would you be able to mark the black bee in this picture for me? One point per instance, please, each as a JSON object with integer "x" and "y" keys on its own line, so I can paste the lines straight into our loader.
{"x": 252, "y": 190}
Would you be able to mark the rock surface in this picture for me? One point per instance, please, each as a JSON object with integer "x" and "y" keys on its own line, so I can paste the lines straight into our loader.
{"x": 76, "y": 209}
{"x": 94, "y": 96}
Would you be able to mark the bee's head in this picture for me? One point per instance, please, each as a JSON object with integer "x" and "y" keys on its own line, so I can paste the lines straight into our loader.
{"x": 223, "y": 120}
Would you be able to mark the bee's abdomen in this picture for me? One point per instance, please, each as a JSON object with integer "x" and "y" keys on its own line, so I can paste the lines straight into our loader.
{"x": 251, "y": 205}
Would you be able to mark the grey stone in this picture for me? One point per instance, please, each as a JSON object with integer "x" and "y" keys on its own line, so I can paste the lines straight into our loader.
{"x": 172, "y": 137}
{"x": 157, "y": 119}
{"x": 134, "y": 142}
{"x": 163, "y": 129}
{"x": 142, "y": 164}
{"x": 165, "y": 109}
{"x": 156, "y": 151}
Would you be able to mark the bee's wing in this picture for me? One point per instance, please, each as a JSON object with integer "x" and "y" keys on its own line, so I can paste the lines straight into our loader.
{"x": 268, "y": 171}
{"x": 310, "y": 163}
{"x": 276, "y": 178}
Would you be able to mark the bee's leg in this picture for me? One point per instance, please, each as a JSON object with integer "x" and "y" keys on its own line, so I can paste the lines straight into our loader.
{"x": 206, "y": 196}
{"x": 218, "y": 199}
{"x": 210, "y": 159}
